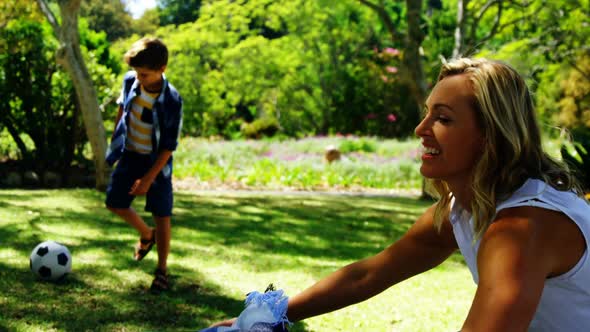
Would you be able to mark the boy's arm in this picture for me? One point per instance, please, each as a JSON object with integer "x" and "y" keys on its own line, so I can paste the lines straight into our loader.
{"x": 168, "y": 145}
{"x": 141, "y": 186}
{"x": 119, "y": 115}
{"x": 173, "y": 126}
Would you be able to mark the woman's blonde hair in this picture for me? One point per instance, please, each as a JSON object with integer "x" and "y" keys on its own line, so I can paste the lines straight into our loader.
{"x": 512, "y": 151}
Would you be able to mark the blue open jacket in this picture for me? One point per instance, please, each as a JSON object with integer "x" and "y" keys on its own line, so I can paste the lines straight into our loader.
{"x": 167, "y": 115}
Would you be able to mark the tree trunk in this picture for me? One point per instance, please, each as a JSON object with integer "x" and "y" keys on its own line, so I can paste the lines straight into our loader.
{"x": 460, "y": 28}
{"x": 412, "y": 72}
{"x": 14, "y": 133}
{"x": 413, "y": 62}
{"x": 70, "y": 57}
{"x": 412, "y": 55}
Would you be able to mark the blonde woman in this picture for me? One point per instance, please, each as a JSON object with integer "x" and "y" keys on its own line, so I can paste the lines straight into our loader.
{"x": 516, "y": 215}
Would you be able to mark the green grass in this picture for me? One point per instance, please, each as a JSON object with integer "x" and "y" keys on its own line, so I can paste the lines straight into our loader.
{"x": 224, "y": 245}
{"x": 299, "y": 164}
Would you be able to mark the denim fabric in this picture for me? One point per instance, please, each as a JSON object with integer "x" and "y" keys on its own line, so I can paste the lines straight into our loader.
{"x": 132, "y": 166}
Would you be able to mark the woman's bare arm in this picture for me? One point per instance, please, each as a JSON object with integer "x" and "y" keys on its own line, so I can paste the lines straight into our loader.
{"x": 522, "y": 248}
{"x": 420, "y": 249}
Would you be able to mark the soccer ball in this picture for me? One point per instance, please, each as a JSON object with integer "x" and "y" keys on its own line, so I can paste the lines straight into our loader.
{"x": 51, "y": 261}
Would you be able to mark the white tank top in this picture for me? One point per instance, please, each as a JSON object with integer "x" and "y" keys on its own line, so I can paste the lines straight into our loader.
{"x": 565, "y": 302}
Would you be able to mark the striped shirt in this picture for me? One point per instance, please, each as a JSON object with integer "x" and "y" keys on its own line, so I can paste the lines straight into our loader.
{"x": 139, "y": 137}
{"x": 165, "y": 116}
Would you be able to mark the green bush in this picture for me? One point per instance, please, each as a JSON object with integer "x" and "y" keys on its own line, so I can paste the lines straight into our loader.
{"x": 358, "y": 145}
{"x": 262, "y": 127}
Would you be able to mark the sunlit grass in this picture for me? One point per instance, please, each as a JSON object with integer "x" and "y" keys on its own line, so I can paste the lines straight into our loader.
{"x": 224, "y": 245}
{"x": 300, "y": 164}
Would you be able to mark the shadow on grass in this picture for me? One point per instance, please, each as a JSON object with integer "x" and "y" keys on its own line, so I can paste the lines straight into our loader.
{"x": 312, "y": 226}
{"x": 108, "y": 291}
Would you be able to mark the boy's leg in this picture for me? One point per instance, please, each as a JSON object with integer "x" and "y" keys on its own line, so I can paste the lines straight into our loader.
{"x": 134, "y": 219}
{"x": 118, "y": 200}
{"x": 159, "y": 201}
{"x": 163, "y": 235}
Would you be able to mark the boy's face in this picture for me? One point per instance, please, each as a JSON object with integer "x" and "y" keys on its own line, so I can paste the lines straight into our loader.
{"x": 150, "y": 79}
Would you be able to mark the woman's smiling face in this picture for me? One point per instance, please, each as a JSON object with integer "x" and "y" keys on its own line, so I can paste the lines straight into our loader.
{"x": 451, "y": 138}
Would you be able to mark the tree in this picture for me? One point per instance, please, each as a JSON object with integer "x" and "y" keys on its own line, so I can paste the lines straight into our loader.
{"x": 17, "y": 8}
{"x": 479, "y": 21}
{"x": 148, "y": 23}
{"x": 560, "y": 31}
{"x": 412, "y": 71}
{"x": 70, "y": 57}
{"x": 109, "y": 16}
{"x": 9, "y": 10}
{"x": 308, "y": 64}
{"x": 575, "y": 104}
{"x": 178, "y": 11}
{"x": 26, "y": 87}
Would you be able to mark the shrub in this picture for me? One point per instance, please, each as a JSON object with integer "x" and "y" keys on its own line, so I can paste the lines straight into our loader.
{"x": 358, "y": 145}
{"x": 262, "y": 127}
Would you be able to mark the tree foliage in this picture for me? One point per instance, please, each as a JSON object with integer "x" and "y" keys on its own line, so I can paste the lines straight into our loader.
{"x": 39, "y": 100}
{"x": 296, "y": 67}
{"x": 109, "y": 16}
{"x": 26, "y": 86}
{"x": 315, "y": 67}
{"x": 39, "y": 97}
{"x": 70, "y": 56}
{"x": 178, "y": 11}
{"x": 575, "y": 102}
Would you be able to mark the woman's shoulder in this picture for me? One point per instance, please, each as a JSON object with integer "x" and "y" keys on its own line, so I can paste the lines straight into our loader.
{"x": 537, "y": 192}
{"x": 543, "y": 210}
{"x": 551, "y": 234}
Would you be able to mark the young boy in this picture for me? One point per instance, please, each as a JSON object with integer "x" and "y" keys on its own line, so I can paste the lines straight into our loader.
{"x": 147, "y": 129}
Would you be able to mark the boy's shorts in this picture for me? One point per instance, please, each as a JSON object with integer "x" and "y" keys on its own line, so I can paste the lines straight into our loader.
{"x": 131, "y": 167}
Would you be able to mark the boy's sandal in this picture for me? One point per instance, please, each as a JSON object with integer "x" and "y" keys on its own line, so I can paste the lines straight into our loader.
{"x": 160, "y": 283}
{"x": 144, "y": 246}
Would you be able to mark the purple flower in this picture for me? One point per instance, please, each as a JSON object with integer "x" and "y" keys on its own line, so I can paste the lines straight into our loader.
{"x": 370, "y": 116}
{"x": 391, "y": 118}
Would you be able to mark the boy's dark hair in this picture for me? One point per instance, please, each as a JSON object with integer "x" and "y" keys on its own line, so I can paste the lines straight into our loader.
{"x": 148, "y": 52}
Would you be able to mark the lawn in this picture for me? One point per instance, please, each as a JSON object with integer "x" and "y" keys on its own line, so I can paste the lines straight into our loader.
{"x": 367, "y": 163}
{"x": 224, "y": 245}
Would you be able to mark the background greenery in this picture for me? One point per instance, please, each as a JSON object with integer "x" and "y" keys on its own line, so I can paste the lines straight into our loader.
{"x": 366, "y": 163}
{"x": 286, "y": 68}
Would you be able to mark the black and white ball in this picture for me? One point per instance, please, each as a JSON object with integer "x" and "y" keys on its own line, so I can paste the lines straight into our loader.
{"x": 51, "y": 261}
